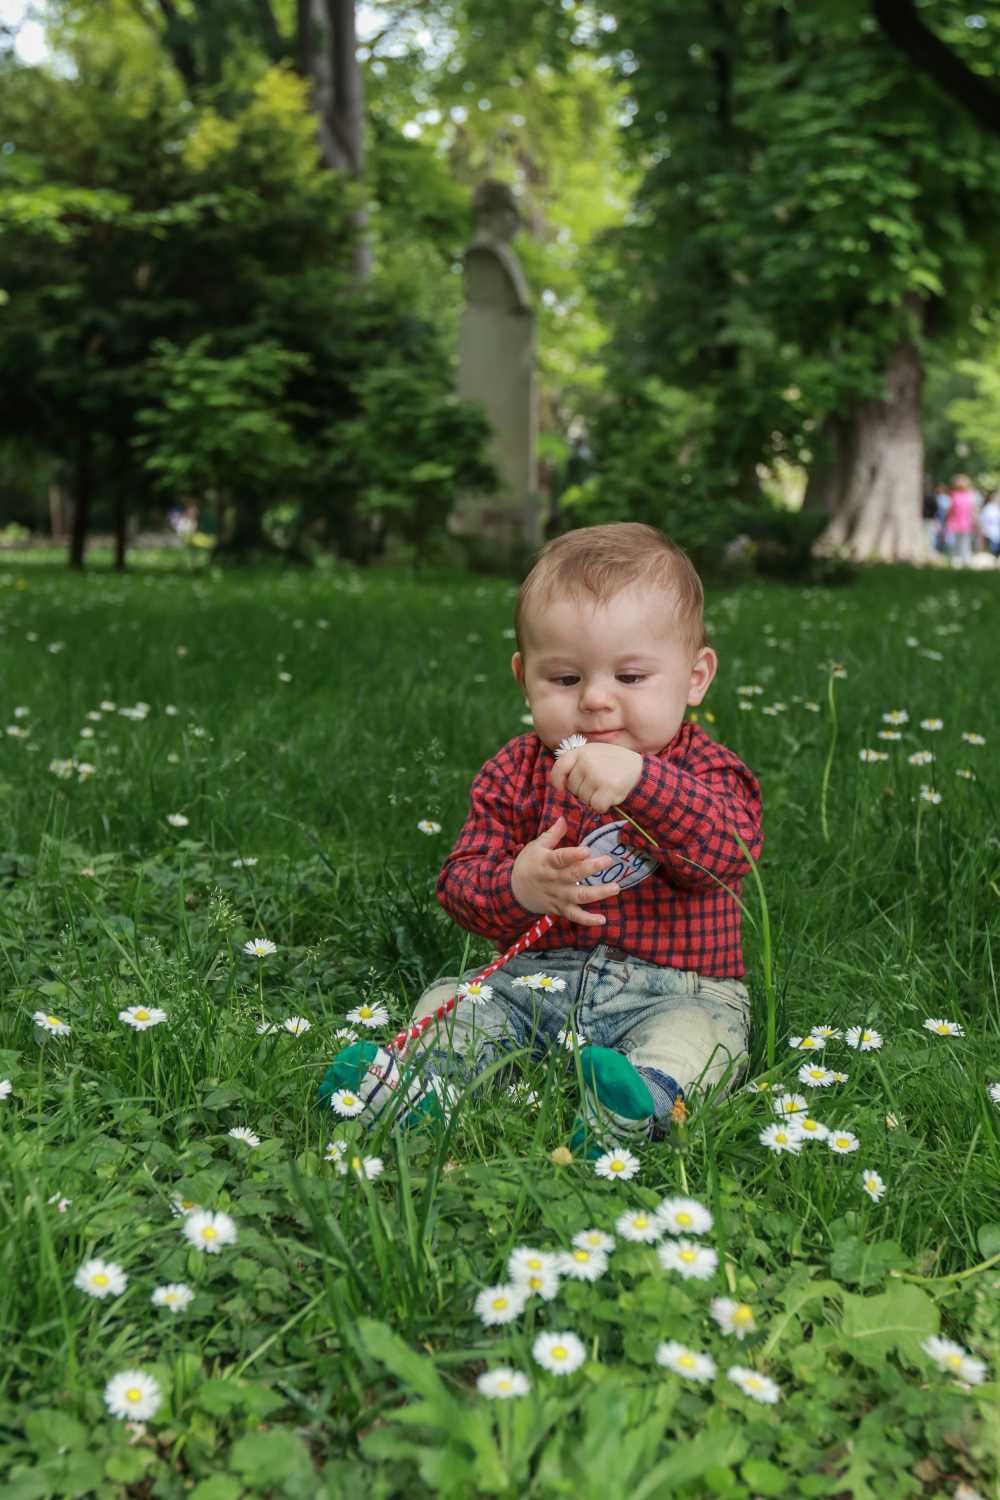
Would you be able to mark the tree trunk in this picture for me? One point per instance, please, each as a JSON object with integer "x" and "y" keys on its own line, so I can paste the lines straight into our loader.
{"x": 828, "y": 473}
{"x": 327, "y": 55}
{"x": 83, "y": 488}
{"x": 876, "y": 510}
{"x": 57, "y": 511}
{"x": 121, "y": 531}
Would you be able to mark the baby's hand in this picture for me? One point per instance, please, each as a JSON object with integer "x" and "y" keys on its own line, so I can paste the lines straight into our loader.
{"x": 546, "y": 879}
{"x": 599, "y": 775}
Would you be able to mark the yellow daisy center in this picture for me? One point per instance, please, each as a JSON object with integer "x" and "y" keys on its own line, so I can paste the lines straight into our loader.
{"x": 559, "y": 1351}
{"x": 503, "y": 1385}
{"x": 582, "y": 1256}
{"x": 743, "y": 1314}
{"x": 535, "y": 1282}
{"x": 356, "y": 1163}
{"x": 364, "y": 1011}
{"x": 100, "y": 1279}
{"x": 942, "y": 1029}
{"x": 842, "y": 1140}
{"x": 954, "y": 1360}
{"x": 640, "y": 1221}
{"x": 348, "y": 1099}
{"x": 209, "y": 1233}
{"x": 53, "y": 1020}
{"x": 142, "y": 1015}
{"x": 753, "y": 1382}
{"x": 687, "y": 1360}
{"x": 688, "y": 1255}
{"x": 684, "y": 1217}
{"x": 499, "y": 1302}
{"x": 133, "y": 1393}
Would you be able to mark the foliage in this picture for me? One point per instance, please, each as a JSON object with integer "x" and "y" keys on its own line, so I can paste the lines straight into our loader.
{"x": 335, "y": 1345}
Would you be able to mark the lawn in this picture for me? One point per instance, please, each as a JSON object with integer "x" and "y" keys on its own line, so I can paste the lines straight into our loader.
{"x": 195, "y": 761}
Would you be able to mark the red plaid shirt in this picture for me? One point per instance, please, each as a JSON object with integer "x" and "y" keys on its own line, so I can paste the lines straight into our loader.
{"x": 690, "y": 798}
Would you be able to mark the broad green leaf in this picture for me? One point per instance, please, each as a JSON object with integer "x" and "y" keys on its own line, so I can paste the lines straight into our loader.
{"x": 897, "y": 1320}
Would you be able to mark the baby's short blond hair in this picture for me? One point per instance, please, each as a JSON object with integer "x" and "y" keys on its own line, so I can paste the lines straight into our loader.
{"x": 598, "y": 562}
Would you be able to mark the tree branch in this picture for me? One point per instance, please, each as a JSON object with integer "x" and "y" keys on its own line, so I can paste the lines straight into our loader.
{"x": 902, "y": 27}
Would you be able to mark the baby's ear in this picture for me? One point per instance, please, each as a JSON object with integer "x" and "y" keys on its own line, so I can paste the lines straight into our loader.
{"x": 517, "y": 667}
{"x": 706, "y": 664}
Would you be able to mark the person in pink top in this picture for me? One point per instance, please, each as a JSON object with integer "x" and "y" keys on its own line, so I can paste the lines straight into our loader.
{"x": 960, "y": 522}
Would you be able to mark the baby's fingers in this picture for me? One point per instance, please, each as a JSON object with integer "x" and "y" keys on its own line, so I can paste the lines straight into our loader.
{"x": 585, "y": 894}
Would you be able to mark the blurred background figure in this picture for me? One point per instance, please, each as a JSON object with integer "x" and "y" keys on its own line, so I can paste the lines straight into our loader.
{"x": 960, "y": 522}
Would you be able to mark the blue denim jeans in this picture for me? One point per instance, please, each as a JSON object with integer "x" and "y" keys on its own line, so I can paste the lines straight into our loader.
{"x": 673, "y": 1023}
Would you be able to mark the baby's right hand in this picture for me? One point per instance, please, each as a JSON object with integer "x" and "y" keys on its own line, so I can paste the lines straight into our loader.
{"x": 547, "y": 879}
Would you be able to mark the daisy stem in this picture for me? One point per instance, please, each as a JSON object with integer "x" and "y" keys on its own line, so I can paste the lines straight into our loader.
{"x": 889, "y": 1094}
{"x": 916, "y": 841}
{"x": 983, "y": 1265}
{"x": 766, "y": 953}
{"x": 824, "y": 789}
{"x": 682, "y": 1171}
{"x": 260, "y": 989}
{"x": 637, "y": 826}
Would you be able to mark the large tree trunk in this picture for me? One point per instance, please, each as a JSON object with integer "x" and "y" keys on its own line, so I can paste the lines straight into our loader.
{"x": 875, "y": 510}
{"x": 829, "y": 470}
{"x": 121, "y": 530}
{"x": 83, "y": 488}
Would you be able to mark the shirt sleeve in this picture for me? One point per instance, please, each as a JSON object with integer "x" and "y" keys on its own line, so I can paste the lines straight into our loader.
{"x": 695, "y": 816}
{"x": 474, "y": 885}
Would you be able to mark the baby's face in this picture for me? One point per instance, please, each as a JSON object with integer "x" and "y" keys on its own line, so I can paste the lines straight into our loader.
{"x": 619, "y": 673}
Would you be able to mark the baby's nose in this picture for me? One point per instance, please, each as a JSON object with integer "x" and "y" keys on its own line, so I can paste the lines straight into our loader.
{"x": 595, "y": 693}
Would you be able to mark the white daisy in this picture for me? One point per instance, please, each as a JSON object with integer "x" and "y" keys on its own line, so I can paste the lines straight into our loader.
{"x": 810, "y": 1129}
{"x": 141, "y": 1017}
{"x": 928, "y": 794}
{"x": 889, "y": 734}
{"x": 692, "y": 1261}
{"x": 750, "y": 690}
{"x": 571, "y": 742}
{"x": 175, "y": 1295}
{"x": 828, "y": 1033}
{"x": 296, "y": 1025}
{"x": 618, "y": 1164}
{"x": 242, "y": 1133}
{"x": 548, "y": 982}
{"x": 596, "y": 1239}
{"x": 503, "y": 1383}
{"x": 872, "y": 1184}
{"x": 843, "y": 1142}
{"x": 684, "y": 1216}
{"x": 572, "y": 1039}
{"x": 335, "y": 1151}
{"x": 920, "y": 758}
{"x": 788, "y": 1105}
{"x": 132, "y": 1395}
{"x": 965, "y": 773}
{"x": 733, "y": 1317}
{"x": 266, "y": 1028}
{"x": 639, "y": 1227}
{"x": 761, "y": 1086}
{"x": 686, "y": 1362}
{"x": 560, "y": 1353}
{"x": 896, "y": 716}
{"x": 284, "y": 676}
{"x": 525, "y": 1260}
{"x": 181, "y": 1207}
{"x": 955, "y": 1360}
{"x": 782, "y": 1137}
{"x": 871, "y": 756}
{"x": 6, "y": 1088}
{"x": 759, "y": 1387}
{"x": 993, "y": 1089}
{"x": 245, "y": 862}
{"x": 345, "y": 1034}
{"x": 943, "y": 1028}
{"x": 260, "y": 948}
{"x": 62, "y": 1204}
{"x": 932, "y": 725}
{"x": 51, "y": 1023}
{"x": 581, "y": 1264}
{"x": 427, "y": 825}
{"x": 544, "y": 1284}
{"x": 369, "y": 1167}
{"x": 814, "y": 1076}
{"x": 972, "y": 738}
{"x": 474, "y": 989}
{"x": 209, "y": 1231}
{"x": 368, "y": 1015}
{"x": 863, "y": 1039}
{"x": 813, "y": 708}
{"x": 745, "y": 705}
{"x": 101, "y": 1278}
{"x": 346, "y": 1103}
{"x": 177, "y": 820}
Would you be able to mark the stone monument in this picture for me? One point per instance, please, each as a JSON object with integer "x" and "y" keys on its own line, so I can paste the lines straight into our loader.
{"x": 496, "y": 360}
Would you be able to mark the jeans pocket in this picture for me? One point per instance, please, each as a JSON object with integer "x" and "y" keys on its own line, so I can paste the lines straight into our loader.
{"x": 732, "y": 994}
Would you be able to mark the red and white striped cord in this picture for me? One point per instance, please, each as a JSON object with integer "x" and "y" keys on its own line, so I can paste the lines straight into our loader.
{"x": 524, "y": 942}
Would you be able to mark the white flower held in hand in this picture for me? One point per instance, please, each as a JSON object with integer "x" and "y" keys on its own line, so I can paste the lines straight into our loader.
{"x": 571, "y": 742}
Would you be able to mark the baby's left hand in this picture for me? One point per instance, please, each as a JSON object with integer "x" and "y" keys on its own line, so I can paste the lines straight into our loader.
{"x": 599, "y": 775}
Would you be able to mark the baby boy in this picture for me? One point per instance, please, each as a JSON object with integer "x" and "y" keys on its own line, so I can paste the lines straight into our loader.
{"x": 622, "y": 821}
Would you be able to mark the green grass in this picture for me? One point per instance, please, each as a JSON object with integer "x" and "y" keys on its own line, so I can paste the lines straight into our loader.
{"x": 334, "y": 1349}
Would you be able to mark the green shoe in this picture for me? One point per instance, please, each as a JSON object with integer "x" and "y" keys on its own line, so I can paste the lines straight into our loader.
{"x": 369, "y": 1076}
{"x": 617, "y": 1108}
